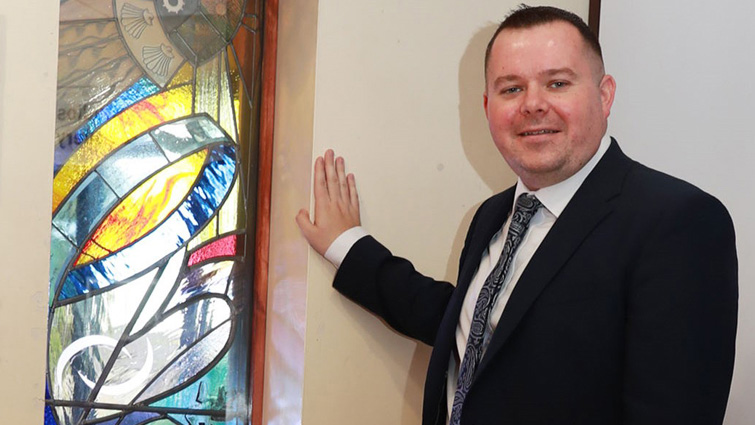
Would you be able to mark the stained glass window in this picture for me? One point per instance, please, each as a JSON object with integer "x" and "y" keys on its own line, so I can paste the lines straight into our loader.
{"x": 153, "y": 212}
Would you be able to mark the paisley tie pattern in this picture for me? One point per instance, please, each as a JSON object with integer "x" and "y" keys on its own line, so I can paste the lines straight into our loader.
{"x": 526, "y": 207}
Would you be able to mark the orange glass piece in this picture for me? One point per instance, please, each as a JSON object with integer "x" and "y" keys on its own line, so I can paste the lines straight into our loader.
{"x": 144, "y": 208}
{"x": 140, "y": 117}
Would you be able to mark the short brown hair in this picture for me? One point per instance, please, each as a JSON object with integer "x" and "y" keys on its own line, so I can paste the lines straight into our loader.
{"x": 527, "y": 17}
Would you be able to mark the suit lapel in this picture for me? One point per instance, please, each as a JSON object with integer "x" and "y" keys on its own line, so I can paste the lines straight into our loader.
{"x": 589, "y": 206}
{"x": 490, "y": 220}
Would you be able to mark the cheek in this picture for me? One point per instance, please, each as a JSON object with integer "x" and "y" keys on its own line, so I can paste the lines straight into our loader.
{"x": 501, "y": 115}
{"x": 567, "y": 112}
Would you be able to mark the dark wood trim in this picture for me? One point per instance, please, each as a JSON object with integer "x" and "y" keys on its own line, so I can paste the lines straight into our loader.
{"x": 594, "y": 17}
{"x": 264, "y": 188}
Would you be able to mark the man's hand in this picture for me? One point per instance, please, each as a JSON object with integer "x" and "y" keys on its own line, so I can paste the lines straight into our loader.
{"x": 336, "y": 204}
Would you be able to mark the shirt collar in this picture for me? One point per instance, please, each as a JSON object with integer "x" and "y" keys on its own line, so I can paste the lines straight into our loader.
{"x": 556, "y": 197}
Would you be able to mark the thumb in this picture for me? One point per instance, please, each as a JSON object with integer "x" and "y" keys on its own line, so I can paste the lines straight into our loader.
{"x": 305, "y": 224}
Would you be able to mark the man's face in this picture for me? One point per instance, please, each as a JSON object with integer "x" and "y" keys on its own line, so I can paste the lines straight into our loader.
{"x": 547, "y": 101}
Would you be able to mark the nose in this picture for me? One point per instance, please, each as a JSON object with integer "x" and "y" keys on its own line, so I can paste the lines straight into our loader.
{"x": 533, "y": 102}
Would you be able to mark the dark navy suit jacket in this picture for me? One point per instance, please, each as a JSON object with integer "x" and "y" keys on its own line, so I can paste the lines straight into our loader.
{"x": 626, "y": 313}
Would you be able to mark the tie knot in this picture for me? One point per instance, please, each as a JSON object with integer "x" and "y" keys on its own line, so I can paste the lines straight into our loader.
{"x": 526, "y": 206}
{"x": 527, "y": 202}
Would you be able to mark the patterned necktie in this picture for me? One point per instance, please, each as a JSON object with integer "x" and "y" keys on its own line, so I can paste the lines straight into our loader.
{"x": 526, "y": 206}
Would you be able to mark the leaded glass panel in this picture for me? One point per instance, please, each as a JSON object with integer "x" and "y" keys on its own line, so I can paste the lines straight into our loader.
{"x": 153, "y": 195}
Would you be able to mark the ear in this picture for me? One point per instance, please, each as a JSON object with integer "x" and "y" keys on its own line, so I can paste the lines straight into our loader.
{"x": 607, "y": 92}
{"x": 485, "y": 103}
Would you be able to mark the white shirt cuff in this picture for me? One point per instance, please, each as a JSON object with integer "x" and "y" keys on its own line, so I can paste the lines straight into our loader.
{"x": 340, "y": 247}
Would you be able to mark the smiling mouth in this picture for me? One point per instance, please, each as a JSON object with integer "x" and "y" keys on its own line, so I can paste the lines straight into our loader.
{"x": 538, "y": 132}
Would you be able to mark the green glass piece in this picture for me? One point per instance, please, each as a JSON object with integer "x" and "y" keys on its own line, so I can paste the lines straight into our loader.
{"x": 61, "y": 252}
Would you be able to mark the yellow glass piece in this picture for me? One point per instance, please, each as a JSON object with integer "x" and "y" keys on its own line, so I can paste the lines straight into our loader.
{"x": 206, "y": 88}
{"x": 226, "y": 119}
{"x": 209, "y": 232}
{"x": 233, "y": 70}
{"x": 135, "y": 120}
{"x": 145, "y": 208}
{"x": 230, "y": 216}
{"x": 183, "y": 76}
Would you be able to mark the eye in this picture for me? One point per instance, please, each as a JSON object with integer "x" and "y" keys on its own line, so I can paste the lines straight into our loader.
{"x": 510, "y": 90}
{"x": 559, "y": 84}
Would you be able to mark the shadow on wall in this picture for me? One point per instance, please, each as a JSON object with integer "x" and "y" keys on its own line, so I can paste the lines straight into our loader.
{"x": 489, "y": 165}
{"x": 473, "y": 126}
{"x": 475, "y": 136}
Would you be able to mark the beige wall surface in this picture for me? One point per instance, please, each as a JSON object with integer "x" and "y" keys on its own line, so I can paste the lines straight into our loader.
{"x": 396, "y": 88}
{"x": 28, "y": 64}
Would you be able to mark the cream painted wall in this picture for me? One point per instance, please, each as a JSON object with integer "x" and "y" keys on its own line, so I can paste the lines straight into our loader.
{"x": 28, "y": 64}
{"x": 396, "y": 88}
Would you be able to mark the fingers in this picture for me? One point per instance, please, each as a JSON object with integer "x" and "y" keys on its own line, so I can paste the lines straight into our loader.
{"x": 334, "y": 180}
{"x": 320, "y": 184}
{"x": 353, "y": 196}
{"x": 305, "y": 224}
{"x": 331, "y": 176}
{"x": 311, "y": 233}
{"x": 343, "y": 187}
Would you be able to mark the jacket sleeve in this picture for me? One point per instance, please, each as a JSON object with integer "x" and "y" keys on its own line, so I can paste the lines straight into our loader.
{"x": 390, "y": 287}
{"x": 681, "y": 317}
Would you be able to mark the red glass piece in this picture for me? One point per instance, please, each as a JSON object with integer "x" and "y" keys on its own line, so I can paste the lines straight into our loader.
{"x": 225, "y": 247}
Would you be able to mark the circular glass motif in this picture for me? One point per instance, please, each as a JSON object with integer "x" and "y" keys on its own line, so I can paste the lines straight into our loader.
{"x": 200, "y": 28}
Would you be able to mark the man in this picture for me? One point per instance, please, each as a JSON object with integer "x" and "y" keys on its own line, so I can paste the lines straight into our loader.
{"x": 595, "y": 291}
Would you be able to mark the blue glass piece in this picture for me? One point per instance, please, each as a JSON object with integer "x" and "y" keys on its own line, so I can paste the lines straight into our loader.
{"x": 137, "y": 92}
{"x": 190, "y": 217}
{"x": 138, "y": 418}
{"x": 49, "y": 417}
{"x": 84, "y": 209}
{"x": 61, "y": 253}
{"x": 187, "y": 135}
{"x": 131, "y": 164}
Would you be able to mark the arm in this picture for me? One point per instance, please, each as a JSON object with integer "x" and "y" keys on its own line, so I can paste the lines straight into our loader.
{"x": 390, "y": 287}
{"x": 681, "y": 318}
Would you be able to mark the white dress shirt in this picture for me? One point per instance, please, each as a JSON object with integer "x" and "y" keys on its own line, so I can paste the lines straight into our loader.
{"x": 554, "y": 199}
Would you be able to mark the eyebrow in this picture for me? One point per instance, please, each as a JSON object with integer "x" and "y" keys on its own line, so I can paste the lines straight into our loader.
{"x": 548, "y": 73}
